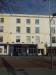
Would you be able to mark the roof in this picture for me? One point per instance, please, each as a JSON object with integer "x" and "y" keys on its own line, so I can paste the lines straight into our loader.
{"x": 27, "y": 6}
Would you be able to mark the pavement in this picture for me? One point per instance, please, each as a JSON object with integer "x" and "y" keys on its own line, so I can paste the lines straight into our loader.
{"x": 27, "y": 71}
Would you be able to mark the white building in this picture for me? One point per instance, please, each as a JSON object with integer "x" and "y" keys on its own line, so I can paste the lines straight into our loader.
{"x": 24, "y": 34}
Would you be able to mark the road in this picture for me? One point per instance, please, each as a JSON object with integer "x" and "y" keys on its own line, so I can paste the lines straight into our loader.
{"x": 26, "y": 65}
{"x": 28, "y": 61}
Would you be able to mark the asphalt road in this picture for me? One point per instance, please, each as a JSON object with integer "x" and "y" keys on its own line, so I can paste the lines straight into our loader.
{"x": 26, "y": 65}
{"x": 27, "y": 61}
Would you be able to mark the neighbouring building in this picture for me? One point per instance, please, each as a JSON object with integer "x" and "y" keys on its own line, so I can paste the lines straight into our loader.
{"x": 24, "y": 34}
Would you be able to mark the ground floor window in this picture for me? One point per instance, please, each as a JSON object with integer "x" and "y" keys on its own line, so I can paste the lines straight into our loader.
{"x": 53, "y": 51}
{"x": 30, "y": 50}
{"x": 0, "y": 50}
{"x": 5, "y": 49}
{"x": 19, "y": 50}
{"x": 23, "y": 50}
{"x": 1, "y": 38}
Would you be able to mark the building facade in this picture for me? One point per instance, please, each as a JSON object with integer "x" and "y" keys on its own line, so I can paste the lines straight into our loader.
{"x": 24, "y": 34}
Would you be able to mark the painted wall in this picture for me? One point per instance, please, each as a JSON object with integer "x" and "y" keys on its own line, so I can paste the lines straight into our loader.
{"x": 10, "y": 24}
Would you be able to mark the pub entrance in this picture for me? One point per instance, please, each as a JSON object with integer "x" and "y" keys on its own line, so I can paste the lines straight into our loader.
{"x": 24, "y": 49}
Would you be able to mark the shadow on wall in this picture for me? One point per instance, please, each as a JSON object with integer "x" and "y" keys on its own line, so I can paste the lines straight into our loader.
{"x": 10, "y": 69}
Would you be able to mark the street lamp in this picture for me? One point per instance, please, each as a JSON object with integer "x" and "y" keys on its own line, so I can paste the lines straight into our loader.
{"x": 50, "y": 20}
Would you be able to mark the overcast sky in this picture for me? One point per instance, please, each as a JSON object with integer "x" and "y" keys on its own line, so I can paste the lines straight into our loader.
{"x": 28, "y": 6}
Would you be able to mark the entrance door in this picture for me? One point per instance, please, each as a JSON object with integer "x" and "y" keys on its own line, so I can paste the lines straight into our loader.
{"x": 11, "y": 50}
{"x": 24, "y": 51}
{"x": 19, "y": 51}
{"x": 15, "y": 51}
{"x": 32, "y": 51}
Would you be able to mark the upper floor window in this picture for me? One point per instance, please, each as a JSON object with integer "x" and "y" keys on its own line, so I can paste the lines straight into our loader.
{"x": 18, "y": 29}
{"x": 28, "y": 21}
{"x": 17, "y": 38}
{"x": 1, "y": 20}
{"x": 53, "y": 22}
{"x": 37, "y": 39}
{"x": 28, "y": 39}
{"x": 28, "y": 29}
{"x": 1, "y": 28}
{"x": 18, "y": 20}
{"x": 36, "y": 21}
{"x": 54, "y": 39}
{"x": 37, "y": 30}
{"x": 52, "y": 29}
{"x": 1, "y": 38}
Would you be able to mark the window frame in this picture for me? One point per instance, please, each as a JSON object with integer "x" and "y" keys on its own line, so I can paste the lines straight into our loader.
{"x": 1, "y": 28}
{"x": 37, "y": 28}
{"x": 0, "y": 38}
{"x": 28, "y": 21}
{"x": 18, "y": 38}
{"x": 28, "y": 30}
{"x": 17, "y": 29}
{"x": 52, "y": 29}
{"x": 37, "y": 21}
{"x": 54, "y": 40}
{"x": 1, "y": 20}
{"x": 37, "y": 39}
{"x": 18, "y": 20}
{"x": 28, "y": 39}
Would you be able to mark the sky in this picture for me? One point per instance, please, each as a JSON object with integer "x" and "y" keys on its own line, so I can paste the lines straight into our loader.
{"x": 27, "y": 6}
